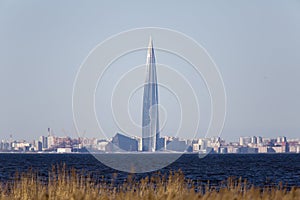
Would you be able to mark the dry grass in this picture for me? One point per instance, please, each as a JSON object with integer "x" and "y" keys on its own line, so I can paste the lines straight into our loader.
{"x": 69, "y": 184}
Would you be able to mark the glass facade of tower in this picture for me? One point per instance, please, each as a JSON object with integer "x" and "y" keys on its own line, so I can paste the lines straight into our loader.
{"x": 150, "y": 121}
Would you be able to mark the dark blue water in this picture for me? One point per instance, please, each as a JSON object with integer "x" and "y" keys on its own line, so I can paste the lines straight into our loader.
{"x": 258, "y": 169}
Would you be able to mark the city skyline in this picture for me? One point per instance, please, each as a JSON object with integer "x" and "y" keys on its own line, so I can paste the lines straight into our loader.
{"x": 122, "y": 143}
{"x": 52, "y": 132}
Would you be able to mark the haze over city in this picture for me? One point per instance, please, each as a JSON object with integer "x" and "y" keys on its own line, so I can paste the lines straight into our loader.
{"x": 255, "y": 48}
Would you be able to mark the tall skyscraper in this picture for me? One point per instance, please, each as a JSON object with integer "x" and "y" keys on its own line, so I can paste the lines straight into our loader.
{"x": 150, "y": 131}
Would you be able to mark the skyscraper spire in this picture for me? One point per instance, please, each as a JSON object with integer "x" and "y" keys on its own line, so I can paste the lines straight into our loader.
{"x": 150, "y": 131}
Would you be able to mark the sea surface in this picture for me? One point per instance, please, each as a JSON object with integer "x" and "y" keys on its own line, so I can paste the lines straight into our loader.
{"x": 258, "y": 169}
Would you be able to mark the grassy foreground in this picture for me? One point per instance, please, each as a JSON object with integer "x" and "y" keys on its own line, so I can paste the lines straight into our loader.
{"x": 69, "y": 184}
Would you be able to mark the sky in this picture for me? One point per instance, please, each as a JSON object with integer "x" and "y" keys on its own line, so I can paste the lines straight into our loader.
{"x": 255, "y": 45}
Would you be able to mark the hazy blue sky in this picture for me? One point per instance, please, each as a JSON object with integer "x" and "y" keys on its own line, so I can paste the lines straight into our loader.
{"x": 256, "y": 45}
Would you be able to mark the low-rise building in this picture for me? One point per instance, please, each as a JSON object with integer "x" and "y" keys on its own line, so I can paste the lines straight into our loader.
{"x": 280, "y": 149}
{"x": 64, "y": 150}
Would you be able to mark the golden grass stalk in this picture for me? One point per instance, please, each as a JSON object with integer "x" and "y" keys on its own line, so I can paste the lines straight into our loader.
{"x": 71, "y": 184}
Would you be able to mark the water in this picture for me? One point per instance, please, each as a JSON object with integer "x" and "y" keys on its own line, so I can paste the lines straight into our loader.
{"x": 258, "y": 169}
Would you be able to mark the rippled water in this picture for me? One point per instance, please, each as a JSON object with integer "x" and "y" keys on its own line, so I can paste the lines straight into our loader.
{"x": 259, "y": 169}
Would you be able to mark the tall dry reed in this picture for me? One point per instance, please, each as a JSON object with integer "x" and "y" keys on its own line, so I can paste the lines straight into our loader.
{"x": 71, "y": 184}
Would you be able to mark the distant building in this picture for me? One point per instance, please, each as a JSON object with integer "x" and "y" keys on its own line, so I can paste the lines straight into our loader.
{"x": 254, "y": 140}
{"x": 4, "y": 145}
{"x": 88, "y": 142}
{"x": 162, "y": 144}
{"x": 62, "y": 141}
{"x": 201, "y": 144}
{"x": 206, "y": 145}
{"x": 176, "y": 145}
{"x": 248, "y": 150}
{"x": 266, "y": 141}
{"x": 265, "y": 149}
{"x": 50, "y": 141}
{"x": 196, "y": 147}
{"x": 232, "y": 149}
{"x": 280, "y": 148}
{"x": 244, "y": 141}
{"x": 64, "y": 150}
{"x": 140, "y": 144}
{"x": 259, "y": 140}
{"x": 293, "y": 148}
{"x": 150, "y": 115}
{"x": 125, "y": 143}
{"x": 101, "y": 145}
{"x": 20, "y": 146}
{"x": 223, "y": 150}
{"x": 281, "y": 139}
{"x": 44, "y": 141}
{"x": 38, "y": 146}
